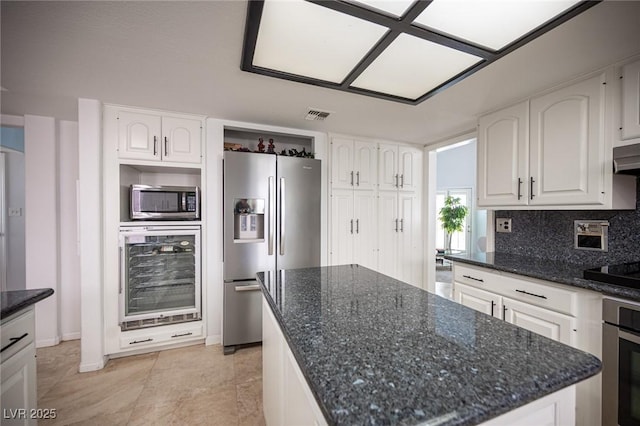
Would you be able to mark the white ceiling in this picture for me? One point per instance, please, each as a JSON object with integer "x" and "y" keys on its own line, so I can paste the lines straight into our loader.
{"x": 185, "y": 56}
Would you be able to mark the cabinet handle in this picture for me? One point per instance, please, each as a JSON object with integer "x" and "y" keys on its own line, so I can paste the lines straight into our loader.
{"x": 396, "y": 180}
{"x": 401, "y": 225}
{"x": 504, "y": 313}
{"x": 396, "y": 225}
{"x": 182, "y": 335}
{"x": 531, "y": 294}
{"x": 493, "y": 304}
{"x": 166, "y": 143}
{"x": 519, "y": 188}
{"x": 155, "y": 146}
{"x": 14, "y": 340}
{"x": 352, "y": 226}
{"x": 475, "y": 279}
{"x": 402, "y": 180}
{"x": 141, "y": 341}
{"x": 531, "y": 187}
{"x": 357, "y": 178}
{"x": 352, "y": 178}
{"x": 357, "y": 226}
{"x": 120, "y": 271}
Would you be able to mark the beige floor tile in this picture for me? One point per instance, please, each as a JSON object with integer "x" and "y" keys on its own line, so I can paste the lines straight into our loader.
{"x": 248, "y": 364}
{"x": 250, "y": 403}
{"x": 56, "y": 362}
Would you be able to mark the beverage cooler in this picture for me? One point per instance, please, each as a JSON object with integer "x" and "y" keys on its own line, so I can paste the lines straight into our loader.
{"x": 160, "y": 280}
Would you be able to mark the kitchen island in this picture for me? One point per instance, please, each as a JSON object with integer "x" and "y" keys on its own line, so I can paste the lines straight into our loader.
{"x": 373, "y": 350}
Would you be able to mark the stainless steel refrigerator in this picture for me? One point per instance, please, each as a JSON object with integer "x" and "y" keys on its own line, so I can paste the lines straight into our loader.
{"x": 271, "y": 222}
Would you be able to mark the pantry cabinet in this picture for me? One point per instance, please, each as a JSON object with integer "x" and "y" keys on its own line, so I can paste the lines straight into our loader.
{"x": 145, "y": 135}
{"x": 353, "y": 164}
{"x": 399, "y": 167}
{"x": 353, "y": 228}
{"x": 550, "y": 151}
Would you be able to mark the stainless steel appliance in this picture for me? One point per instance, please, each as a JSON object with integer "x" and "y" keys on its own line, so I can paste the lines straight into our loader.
{"x": 620, "y": 363}
{"x": 271, "y": 222}
{"x": 159, "y": 275}
{"x": 164, "y": 202}
{"x": 626, "y": 159}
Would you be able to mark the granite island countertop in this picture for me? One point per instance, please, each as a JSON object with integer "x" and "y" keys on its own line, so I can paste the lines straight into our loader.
{"x": 375, "y": 350}
{"x": 544, "y": 269}
{"x": 15, "y": 300}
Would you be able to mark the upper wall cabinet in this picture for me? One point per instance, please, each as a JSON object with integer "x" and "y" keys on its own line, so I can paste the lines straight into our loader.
{"x": 353, "y": 164}
{"x": 550, "y": 152}
{"x": 145, "y": 135}
{"x": 399, "y": 167}
{"x": 630, "y": 127}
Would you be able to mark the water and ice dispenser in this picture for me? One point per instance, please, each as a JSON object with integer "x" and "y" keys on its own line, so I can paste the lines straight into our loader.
{"x": 248, "y": 220}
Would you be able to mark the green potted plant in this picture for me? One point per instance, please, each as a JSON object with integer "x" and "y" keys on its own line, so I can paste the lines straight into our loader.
{"x": 452, "y": 217}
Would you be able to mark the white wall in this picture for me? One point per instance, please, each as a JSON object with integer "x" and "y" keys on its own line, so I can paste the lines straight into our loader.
{"x": 41, "y": 223}
{"x": 457, "y": 167}
{"x": 90, "y": 220}
{"x": 15, "y": 237}
{"x": 69, "y": 246}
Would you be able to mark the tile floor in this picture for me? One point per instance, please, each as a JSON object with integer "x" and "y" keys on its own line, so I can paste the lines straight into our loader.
{"x": 196, "y": 385}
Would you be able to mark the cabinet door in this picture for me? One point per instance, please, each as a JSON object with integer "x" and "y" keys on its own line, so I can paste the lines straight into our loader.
{"x": 548, "y": 323}
{"x": 388, "y": 167}
{"x": 272, "y": 367}
{"x": 181, "y": 140}
{"x": 365, "y": 165}
{"x": 365, "y": 244}
{"x": 567, "y": 145}
{"x": 342, "y": 227}
{"x": 410, "y": 167}
{"x": 19, "y": 386}
{"x": 631, "y": 100}
{"x": 503, "y": 157}
{"x": 409, "y": 239}
{"x": 477, "y": 299}
{"x": 342, "y": 174}
{"x": 388, "y": 227}
{"x": 139, "y": 135}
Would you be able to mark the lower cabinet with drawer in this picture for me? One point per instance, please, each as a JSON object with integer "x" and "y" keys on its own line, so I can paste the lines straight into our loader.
{"x": 569, "y": 315}
{"x": 18, "y": 369}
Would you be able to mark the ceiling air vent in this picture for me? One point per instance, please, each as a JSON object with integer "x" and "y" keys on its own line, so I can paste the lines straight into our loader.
{"x": 316, "y": 115}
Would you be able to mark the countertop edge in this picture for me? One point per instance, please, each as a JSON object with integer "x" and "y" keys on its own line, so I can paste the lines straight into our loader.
{"x": 31, "y": 296}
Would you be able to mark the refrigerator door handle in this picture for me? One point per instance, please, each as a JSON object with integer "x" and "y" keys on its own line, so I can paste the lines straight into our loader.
{"x": 282, "y": 217}
{"x": 272, "y": 213}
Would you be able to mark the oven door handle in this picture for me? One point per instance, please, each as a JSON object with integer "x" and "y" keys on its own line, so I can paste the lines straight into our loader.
{"x": 634, "y": 338}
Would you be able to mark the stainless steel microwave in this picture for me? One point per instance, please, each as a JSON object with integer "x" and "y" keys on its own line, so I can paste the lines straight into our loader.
{"x": 165, "y": 202}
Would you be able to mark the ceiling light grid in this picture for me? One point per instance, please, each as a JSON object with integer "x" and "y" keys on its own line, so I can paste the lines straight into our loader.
{"x": 400, "y": 50}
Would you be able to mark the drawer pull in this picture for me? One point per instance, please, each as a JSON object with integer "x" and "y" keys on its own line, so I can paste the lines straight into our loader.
{"x": 141, "y": 341}
{"x": 531, "y": 294}
{"x": 475, "y": 279}
{"x": 182, "y": 335}
{"x": 14, "y": 340}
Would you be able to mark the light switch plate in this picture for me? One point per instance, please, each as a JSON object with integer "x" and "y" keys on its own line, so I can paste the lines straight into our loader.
{"x": 503, "y": 224}
{"x": 15, "y": 212}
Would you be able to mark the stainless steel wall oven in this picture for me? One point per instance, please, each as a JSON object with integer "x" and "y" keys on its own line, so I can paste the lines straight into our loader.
{"x": 160, "y": 281}
{"x": 621, "y": 363}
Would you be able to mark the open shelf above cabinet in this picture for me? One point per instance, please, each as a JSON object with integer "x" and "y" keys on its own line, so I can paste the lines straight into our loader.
{"x": 249, "y": 139}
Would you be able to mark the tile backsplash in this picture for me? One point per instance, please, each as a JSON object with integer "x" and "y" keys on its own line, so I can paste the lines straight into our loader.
{"x": 549, "y": 234}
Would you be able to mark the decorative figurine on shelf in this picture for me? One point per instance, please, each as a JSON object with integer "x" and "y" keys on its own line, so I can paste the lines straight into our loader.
{"x": 260, "y": 145}
{"x": 271, "y": 148}
{"x": 283, "y": 152}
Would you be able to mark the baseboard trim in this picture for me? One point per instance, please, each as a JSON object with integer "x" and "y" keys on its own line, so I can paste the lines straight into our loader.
{"x": 214, "y": 339}
{"x": 44, "y": 343}
{"x": 71, "y": 336}
{"x": 92, "y": 366}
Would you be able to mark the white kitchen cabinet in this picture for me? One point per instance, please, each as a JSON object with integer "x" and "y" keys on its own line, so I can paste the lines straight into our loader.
{"x": 551, "y": 151}
{"x": 353, "y": 164}
{"x": 630, "y": 126}
{"x": 353, "y": 228}
{"x": 400, "y": 236}
{"x": 503, "y": 141}
{"x": 399, "y": 167}
{"x": 18, "y": 369}
{"x": 150, "y": 136}
{"x": 566, "y": 314}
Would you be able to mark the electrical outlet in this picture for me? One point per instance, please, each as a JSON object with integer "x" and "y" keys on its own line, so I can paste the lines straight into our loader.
{"x": 15, "y": 212}
{"x": 503, "y": 224}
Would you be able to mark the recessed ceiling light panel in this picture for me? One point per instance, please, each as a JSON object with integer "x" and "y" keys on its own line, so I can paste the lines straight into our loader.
{"x": 411, "y": 66}
{"x": 305, "y": 39}
{"x": 490, "y": 23}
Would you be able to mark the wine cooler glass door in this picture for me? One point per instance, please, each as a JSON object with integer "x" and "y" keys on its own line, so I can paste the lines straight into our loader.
{"x": 160, "y": 276}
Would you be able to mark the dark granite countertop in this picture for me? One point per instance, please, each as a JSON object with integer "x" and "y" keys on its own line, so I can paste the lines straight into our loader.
{"x": 544, "y": 269}
{"x": 16, "y": 300}
{"x": 375, "y": 350}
